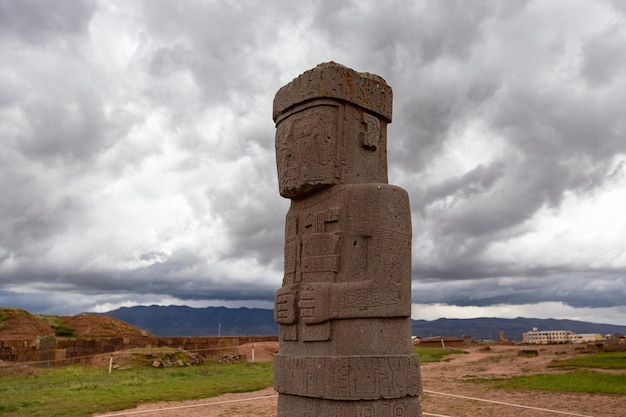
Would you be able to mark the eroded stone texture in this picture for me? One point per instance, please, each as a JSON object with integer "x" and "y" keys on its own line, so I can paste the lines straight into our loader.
{"x": 345, "y": 303}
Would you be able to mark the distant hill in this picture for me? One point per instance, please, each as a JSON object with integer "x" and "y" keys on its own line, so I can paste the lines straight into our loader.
{"x": 188, "y": 321}
{"x": 209, "y": 321}
{"x": 490, "y": 328}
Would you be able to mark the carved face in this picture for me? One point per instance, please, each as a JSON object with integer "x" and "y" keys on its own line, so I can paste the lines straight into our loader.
{"x": 306, "y": 151}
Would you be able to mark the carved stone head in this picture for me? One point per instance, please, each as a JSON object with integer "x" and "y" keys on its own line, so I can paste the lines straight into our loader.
{"x": 331, "y": 125}
{"x": 306, "y": 151}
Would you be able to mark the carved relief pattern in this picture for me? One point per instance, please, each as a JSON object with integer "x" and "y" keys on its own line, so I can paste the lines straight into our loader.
{"x": 371, "y": 135}
{"x": 348, "y": 378}
{"x": 363, "y": 298}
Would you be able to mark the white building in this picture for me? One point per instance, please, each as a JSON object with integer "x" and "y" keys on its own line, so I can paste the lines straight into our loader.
{"x": 587, "y": 337}
{"x": 558, "y": 336}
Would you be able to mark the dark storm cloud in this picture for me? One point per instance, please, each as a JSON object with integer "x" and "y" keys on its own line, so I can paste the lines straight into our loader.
{"x": 254, "y": 229}
{"x": 39, "y": 22}
{"x": 593, "y": 289}
{"x": 604, "y": 58}
{"x": 65, "y": 125}
{"x": 220, "y": 44}
{"x": 182, "y": 275}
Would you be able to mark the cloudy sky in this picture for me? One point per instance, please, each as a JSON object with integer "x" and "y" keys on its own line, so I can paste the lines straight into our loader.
{"x": 137, "y": 149}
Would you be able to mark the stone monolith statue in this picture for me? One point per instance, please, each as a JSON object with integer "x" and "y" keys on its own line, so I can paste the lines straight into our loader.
{"x": 345, "y": 303}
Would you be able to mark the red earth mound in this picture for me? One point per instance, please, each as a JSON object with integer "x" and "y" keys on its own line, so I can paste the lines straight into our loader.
{"x": 20, "y": 324}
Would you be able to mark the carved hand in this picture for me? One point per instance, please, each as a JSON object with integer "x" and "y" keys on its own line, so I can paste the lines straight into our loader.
{"x": 315, "y": 302}
{"x": 285, "y": 305}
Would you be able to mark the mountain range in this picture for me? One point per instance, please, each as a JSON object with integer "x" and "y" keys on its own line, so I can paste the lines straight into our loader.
{"x": 222, "y": 321}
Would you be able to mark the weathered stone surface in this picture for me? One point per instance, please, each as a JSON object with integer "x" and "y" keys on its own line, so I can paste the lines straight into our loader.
{"x": 335, "y": 81}
{"x": 348, "y": 377}
{"x": 345, "y": 302}
{"x": 291, "y": 405}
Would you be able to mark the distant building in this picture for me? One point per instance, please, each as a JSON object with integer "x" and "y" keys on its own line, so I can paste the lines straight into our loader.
{"x": 558, "y": 336}
{"x": 587, "y": 338}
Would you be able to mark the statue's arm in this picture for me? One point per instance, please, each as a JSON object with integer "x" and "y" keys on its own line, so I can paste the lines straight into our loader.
{"x": 378, "y": 282}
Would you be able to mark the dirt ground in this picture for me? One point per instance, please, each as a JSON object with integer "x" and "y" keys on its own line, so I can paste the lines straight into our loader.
{"x": 455, "y": 376}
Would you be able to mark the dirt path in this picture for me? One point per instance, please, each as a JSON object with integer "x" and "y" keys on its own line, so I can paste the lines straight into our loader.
{"x": 250, "y": 404}
{"x": 456, "y": 376}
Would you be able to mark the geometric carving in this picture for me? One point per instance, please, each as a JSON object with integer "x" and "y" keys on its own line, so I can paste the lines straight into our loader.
{"x": 371, "y": 135}
{"x": 363, "y": 298}
{"x": 348, "y": 378}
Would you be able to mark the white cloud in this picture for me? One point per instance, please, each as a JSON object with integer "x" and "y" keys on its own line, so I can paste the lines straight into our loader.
{"x": 545, "y": 310}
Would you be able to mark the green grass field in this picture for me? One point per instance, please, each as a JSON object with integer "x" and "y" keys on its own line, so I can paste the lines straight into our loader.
{"x": 582, "y": 377}
{"x": 577, "y": 381}
{"x": 428, "y": 354}
{"x": 80, "y": 391}
{"x": 605, "y": 360}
